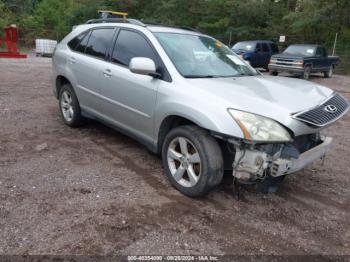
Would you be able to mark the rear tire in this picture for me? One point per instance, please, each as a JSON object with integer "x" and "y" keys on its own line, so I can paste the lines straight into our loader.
{"x": 192, "y": 160}
{"x": 329, "y": 73}
{"x": 274, "y": 73}
{"x": 69, "y": 107}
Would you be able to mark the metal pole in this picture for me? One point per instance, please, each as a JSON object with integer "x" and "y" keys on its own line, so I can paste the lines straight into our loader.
{"x": 229, "y": 44}
{"x": 335, "y": 43}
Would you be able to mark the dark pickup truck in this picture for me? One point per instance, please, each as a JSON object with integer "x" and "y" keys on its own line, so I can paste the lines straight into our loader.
{"x": 257, "y": 53}
{"x": 302, "y": 60}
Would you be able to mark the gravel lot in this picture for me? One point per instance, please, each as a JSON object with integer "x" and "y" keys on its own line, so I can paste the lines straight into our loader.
{"x": 93, "y": 191}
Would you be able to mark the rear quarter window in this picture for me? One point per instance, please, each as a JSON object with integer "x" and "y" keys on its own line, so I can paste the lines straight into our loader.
{"x": 76, "y": 41}
{"x": 83, "y": 43}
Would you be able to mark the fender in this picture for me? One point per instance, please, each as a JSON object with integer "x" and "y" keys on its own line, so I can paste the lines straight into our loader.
{"x": 224, "y": 124}
{"x": 60, "y": 68}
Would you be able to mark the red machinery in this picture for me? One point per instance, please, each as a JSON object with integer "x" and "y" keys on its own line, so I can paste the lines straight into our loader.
{"x": 11, "y": 39}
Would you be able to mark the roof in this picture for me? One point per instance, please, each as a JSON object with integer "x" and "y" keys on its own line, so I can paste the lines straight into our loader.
{"x": 256, "y": 41}
{"x": 170, "y": 29}
{"x": 155, "y": 28}
{"x": 309, "y": 45}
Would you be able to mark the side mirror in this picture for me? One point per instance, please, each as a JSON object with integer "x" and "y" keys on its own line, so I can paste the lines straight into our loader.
{"x": 143, "y": 66}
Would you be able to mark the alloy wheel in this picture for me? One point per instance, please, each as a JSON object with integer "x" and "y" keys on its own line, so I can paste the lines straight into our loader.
{"x": 66, "y": 106}
{"x": 184, "y": 162}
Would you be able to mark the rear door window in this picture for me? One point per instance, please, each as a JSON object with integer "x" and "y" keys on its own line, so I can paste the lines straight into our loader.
{"x": 265, "y": 48}
{"x": 131, "y": 44}
{"x": 274, "y": 48}
{"x": 258, "y": 48}
{"x": 99, "y": 42}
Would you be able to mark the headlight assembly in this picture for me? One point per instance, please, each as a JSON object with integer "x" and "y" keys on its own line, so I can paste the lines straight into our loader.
{"x": 258, "y": 128}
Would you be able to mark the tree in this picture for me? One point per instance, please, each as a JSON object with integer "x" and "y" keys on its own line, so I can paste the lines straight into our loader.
{"x": 50, "y": 19}
{"x": 5, "y": 17}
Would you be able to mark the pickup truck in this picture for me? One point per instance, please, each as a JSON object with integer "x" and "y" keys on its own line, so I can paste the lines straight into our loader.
{"x": 302, "y": 60}
{"x": 257, "y": 53}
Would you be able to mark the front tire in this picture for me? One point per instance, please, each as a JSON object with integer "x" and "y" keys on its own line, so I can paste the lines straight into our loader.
{"x": 192, "y": 160}
{"x": 69, "y": 107}
{"x": 274, "y": 73}
{"x": 306, "y": 73}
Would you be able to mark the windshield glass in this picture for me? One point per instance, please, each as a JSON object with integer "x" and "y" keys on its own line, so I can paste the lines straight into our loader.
{"x": 202, "y": 57}
{"x": 244, "y": 46}
{"x": 301, "y": 50}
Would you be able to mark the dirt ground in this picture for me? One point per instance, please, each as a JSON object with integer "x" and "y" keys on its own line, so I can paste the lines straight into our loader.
{"x": 93, "y": 191}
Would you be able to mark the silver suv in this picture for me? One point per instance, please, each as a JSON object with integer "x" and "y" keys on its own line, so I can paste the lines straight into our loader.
{"x": 189, "y": 98}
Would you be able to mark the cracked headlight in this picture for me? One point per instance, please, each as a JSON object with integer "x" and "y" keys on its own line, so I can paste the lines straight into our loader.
{"x": 258, "y": 128}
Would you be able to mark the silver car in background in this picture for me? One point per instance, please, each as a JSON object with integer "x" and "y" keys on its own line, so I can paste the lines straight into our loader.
{"x": 188, "y": 97}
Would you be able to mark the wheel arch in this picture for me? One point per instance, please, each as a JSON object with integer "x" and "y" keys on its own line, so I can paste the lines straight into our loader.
{"x": 59, "y": 82}
{"x": 170, "y": 122}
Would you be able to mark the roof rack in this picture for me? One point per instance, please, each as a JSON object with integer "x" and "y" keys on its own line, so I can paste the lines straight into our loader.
{"x": 116, "y": 20}
{"x": 106, "y": 13}
{"x": 179, "y": 27}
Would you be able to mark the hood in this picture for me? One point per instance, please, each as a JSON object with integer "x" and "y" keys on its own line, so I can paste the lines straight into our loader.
{"x": 269, "y": 96}
{"x": 288, "y": 56}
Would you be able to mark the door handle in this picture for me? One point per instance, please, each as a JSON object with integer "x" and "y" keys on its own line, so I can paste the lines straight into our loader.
{"x": 72, "y": 60}
{"x": 107, "y": 73}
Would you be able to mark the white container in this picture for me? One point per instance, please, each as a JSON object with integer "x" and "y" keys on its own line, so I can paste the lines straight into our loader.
{"x": 45, "y": 47}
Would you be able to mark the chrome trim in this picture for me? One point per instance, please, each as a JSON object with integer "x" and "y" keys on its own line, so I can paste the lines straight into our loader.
{"x": 287, "y": 62}
{"x": 295, "y": 116}
{"x": 286, "y": 66}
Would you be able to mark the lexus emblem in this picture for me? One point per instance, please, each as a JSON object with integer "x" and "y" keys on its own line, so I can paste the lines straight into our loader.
{"x": 331, "y": 109}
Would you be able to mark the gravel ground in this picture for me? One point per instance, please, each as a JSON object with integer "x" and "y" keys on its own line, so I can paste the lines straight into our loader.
{"x": 94, "y": 191}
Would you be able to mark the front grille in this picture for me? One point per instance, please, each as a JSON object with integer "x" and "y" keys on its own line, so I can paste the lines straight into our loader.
{"x": 286, "y": 62}
{"x": 326, "y": 113}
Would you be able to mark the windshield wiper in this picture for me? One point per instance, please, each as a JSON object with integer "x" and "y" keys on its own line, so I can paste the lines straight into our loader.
{"x": 217, "y": 76}
{"x": 200, "y": 76}
{"x": 242, "y": 74}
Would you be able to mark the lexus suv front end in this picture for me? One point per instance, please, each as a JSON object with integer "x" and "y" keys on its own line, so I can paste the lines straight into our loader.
{"x": 191, "y": 99}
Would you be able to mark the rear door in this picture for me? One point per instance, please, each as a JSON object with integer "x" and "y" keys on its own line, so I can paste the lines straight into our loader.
{"x": 129, "y": 99}
{"x": 258, "y": 56}
{"x": 265, "y": 55}
{"x": 86, "y": 62}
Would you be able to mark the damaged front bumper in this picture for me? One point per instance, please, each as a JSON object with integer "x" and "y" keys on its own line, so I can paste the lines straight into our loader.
{"x": 256, "y": 163}
{"x": 282, "y": 167}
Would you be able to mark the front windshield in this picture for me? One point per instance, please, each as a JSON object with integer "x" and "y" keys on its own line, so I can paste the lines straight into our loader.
{"x": 244, "y": 46}
{"x": 202, "y": 57}
{"x": 300, "y": 50}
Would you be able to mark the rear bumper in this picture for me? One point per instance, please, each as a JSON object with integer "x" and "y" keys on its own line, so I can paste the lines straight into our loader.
{"x": 288, "y": 69}
{"x": 282, "y": 167}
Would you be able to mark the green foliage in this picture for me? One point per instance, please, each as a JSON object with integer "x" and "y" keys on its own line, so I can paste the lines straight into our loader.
{"x": 300, "y": 20}
{"x": 50, "y": 18}
{"x": 5, "y": 14}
